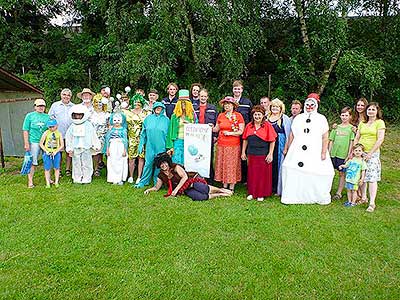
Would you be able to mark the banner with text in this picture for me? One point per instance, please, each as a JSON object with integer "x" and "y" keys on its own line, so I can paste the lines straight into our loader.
{"x": 197, "y": 148}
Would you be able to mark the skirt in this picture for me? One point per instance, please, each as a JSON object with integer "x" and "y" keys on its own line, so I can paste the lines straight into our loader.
{"x": 259, "y": 176}
{"x": 373, "y": 172}
{"x": 227, "y": 164}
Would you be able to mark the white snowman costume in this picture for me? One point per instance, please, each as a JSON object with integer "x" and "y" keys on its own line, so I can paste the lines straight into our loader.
{"x": 306, "y": 178}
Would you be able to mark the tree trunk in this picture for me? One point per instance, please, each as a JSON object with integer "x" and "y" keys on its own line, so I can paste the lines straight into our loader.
{"x": 327, "y": 72}
{"x": 304, "y": 34}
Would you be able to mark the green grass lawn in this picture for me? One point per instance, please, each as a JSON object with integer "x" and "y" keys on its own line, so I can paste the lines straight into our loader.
{"x": 101, "y": 241}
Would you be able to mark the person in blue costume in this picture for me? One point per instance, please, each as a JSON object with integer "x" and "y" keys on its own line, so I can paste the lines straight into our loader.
{"x": 153, "y": 141}
{"x": 116, "y": 148}
{"x": 281, "y": 123}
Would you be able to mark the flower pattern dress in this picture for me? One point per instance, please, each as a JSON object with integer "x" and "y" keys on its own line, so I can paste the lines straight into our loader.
{"x": 135, "y": 122}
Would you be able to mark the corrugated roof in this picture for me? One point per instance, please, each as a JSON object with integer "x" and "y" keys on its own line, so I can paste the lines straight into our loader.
{"x": 10, "y": 82}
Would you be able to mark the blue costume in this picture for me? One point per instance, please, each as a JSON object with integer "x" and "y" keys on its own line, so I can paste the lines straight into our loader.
{"x": 153, "y": 138}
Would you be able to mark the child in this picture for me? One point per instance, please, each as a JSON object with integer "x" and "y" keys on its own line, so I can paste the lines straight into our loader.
{"x": 116, "y": 149}
{"x": 355, "y": 174}
{"x": 52, "y": 143}
{"x": 80, "y": 141}
{"x": 340, "y": 144}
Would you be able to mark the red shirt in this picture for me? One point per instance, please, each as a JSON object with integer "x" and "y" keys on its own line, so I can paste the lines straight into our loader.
{"x": 225, "y": 124}
{"x": 202, "y": 113}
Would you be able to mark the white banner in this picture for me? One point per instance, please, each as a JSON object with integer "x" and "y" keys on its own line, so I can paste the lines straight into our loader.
{"x": 197, "y": 148}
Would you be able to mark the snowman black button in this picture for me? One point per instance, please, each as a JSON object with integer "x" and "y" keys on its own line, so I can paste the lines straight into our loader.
{"x": 300, "y": 164}
{"x": 304, "y": 147}
{"x": 306, "y": 130}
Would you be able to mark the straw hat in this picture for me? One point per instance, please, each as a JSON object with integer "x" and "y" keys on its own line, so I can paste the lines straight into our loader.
{"x": 39, "y": 102}
{"x": 85, "y": 90}
{"x": 229, "y": 99}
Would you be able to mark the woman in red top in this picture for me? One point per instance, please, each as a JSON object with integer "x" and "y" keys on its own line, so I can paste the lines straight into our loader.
{"x": 259, "y": 141}
{"x": 230, "y": 125}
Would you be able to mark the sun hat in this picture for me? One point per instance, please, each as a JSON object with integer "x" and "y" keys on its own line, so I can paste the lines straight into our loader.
{"x": 51, "y": 123}
{"x": 229, "y": 99}
{"x": 39, "y": 102}
{"x": 85, "y": 90}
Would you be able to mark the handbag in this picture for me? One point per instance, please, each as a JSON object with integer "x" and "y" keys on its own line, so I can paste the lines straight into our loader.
{"x": 27, "y": 163}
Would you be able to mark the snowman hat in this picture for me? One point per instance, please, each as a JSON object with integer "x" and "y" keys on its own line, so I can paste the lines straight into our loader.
{"x": 314, "y": 96}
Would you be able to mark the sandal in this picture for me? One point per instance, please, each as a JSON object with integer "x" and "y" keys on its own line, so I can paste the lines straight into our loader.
{"x": 371, "y": 208}
{"x": 337, "y": 197}
{"x": 363, "y": 201}
{"x": 97, "y": 173}
{"x": 68, "y": 173}
{"x": 31, "y": 186}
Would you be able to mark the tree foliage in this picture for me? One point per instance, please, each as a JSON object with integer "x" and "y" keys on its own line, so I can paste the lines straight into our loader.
{"x": 343, "y": 49}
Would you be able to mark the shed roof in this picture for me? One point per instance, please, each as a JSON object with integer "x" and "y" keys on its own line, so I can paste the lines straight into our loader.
{"x": 10, "y": 82}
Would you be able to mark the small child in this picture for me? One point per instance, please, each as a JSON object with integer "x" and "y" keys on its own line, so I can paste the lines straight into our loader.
{"x": 340, "y": 144}
{"x": 52, "y": 143}
{"x": 116, "y": 146}
{"x": 355, "y": 174}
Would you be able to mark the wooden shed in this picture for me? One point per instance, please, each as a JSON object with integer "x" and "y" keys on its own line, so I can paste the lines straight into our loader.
{"x": 16, "y": 100}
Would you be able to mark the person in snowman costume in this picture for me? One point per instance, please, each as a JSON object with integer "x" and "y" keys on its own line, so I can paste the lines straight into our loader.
{"x": 307, "y": 171}
{"x": 80, "y": 141}
{"x": 116, "y": 145}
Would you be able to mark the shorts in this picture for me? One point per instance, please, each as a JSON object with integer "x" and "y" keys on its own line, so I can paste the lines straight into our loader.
{"x": 51, "y": 162}
{"x": 336, "y": 161}
{"x": 351, "y": 186}
{"x": 35, "y": 151}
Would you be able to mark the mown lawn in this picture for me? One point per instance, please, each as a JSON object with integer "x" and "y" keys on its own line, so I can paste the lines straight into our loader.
{"x": 101, "y": 241}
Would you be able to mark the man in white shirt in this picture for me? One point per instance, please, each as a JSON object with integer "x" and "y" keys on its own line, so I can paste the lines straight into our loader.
{"x": 60, "y": 111}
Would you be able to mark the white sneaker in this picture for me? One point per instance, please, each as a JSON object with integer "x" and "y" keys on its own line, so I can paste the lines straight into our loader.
{"x": 120, "y": 183}
{"x": 260, "y": 199}
{"x": 137, "y": 180}
{"x": 130, "y": 180}
{"x": 249, "y": 197}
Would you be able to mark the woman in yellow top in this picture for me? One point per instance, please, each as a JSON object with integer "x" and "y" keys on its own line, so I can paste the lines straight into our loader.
{"x": 371, "y": 133}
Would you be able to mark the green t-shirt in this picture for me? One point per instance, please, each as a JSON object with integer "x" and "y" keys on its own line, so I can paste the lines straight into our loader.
{"x": 354, "y": 168}
{"x": 35, "y": 123}
{"x": 369, "y": 134}
{"x": 341, "y": 137}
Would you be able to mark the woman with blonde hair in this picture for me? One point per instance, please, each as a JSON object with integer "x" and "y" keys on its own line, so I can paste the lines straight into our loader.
{"x": 183, "y": 114}
{"x": 281, "y": 123}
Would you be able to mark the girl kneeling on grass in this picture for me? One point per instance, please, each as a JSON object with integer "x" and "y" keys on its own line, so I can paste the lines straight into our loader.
{"x": 355, "y": 174}
{"x": 51, "y": 143}
{"x": 179, "y": 182}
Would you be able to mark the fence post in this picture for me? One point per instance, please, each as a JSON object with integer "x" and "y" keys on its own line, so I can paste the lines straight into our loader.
{"x": 3, "y": 165}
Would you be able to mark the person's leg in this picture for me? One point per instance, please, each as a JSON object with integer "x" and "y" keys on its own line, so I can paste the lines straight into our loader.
{"x": 77, "y": 168}
{"x": 341, "y": 183}
{"x": 68, "y": 163}
{"x": 349, "y": 196}
{"x": 56, "y": 176}
{"x": 87, "y": 166}
{"x": 217, "y": 190}
{"x": 47, "y": 177}
{"x": 232, "y": 186}
{"x": 373, "y": 190}
{"x": 140, "y": 167}
{"x": 354, "y": 197}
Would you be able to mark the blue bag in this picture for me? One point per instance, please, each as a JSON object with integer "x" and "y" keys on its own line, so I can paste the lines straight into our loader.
{"x": 27, "y": 164}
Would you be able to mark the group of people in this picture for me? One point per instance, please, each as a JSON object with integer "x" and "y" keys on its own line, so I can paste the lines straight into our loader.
{"x": 258, "y": 145}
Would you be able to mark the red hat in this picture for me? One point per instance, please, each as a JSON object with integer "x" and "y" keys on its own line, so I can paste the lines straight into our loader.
{"x": 313, "y": 96}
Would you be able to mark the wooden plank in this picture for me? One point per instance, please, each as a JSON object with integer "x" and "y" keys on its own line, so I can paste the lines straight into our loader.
{"x": 3, "y": 165}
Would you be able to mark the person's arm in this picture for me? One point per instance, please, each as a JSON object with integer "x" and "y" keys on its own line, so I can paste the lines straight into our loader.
{"x": 235, "y": 133}
{"x": 330, "y": 145}
{"x": 244, "y": 147}
{"x": 183, "y": 175}
{"x": 26, "y": 140}
{"x": 270, "y": 155}
{"x": 350, "y": 150}
{"x": 216, "y": 128}
{"x": 42, "y": 140}
{"x": 61, "y": 144}
{"x": 154, "y": 188}
{"x": 357, "y": 138}
{"x": 325, "y": 141}
{"x": 378, "y": 143}
{"x": 289, "y": 143}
